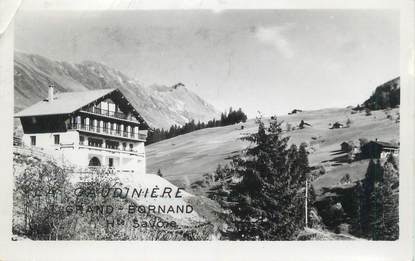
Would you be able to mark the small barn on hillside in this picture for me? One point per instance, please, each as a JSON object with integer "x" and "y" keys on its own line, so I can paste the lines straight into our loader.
{"x": 379, "y": 149}
{"x": 337, "y": 125}
{"x": 294, "y": 111}
{"x": 347, "y": 146}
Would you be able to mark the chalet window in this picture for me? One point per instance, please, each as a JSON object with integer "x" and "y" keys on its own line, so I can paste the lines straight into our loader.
{"x": 104, "y": 108}
{"x": 97, "y": 108}
{"x": 111, "y": 144}
{"x": 110, "y": 162}
{"x": 94, "y": 142}
{"x": 57, "y": 139}
{"x": 81, "y": 140}
{"x": 111, "y": 109}
{"x": 33, "y": 140}
{"x": 124, "y": 146}
{"x": 131, "y": 147}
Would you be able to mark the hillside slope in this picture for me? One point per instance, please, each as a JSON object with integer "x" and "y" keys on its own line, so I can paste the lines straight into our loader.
{"x": 186, "y": 158}
{"x": 161, "y": 107}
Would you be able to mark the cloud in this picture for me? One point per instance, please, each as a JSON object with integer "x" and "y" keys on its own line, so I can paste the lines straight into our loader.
{"x": 275, "y": 37}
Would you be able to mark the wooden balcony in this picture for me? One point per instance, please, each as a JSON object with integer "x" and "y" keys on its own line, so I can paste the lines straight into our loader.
{"x": 109, "y": 132}
{"x": 102, "y": 169}
{"x": 108, "y": 114}
{"x": 127, "y": 151}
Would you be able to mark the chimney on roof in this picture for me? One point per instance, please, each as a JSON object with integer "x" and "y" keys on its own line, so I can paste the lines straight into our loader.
{"x": 50, "y": 92}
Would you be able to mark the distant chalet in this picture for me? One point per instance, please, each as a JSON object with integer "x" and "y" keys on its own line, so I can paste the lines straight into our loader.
{"x": 347, "y": 146}
{"x": 98, "y": 128}
{"x": 337, "y": 125}
{"x": 379, "y": 149}
{"x": 294, "y": 111}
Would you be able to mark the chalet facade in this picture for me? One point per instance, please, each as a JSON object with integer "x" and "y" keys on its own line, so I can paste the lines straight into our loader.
{"x": 97, "y": 128}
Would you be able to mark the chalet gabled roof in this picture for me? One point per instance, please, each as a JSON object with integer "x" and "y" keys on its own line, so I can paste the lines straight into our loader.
{"x": 385, "y": 144}
{"x": 63, "y": 103}
{"x": 69, "y": 102}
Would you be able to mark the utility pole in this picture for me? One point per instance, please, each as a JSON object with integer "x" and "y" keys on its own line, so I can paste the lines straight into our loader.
{"x": 306, "y": 202}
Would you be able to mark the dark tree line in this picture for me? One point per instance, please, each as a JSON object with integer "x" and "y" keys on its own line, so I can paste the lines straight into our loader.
{"x": 385, "y": 96}
{"x": 262, "y": 190}
{"x": 226, "y": 118}
{"x": 377, "y": 216}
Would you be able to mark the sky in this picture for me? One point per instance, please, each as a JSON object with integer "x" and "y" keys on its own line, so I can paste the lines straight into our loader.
{"x": 270, "y": 61}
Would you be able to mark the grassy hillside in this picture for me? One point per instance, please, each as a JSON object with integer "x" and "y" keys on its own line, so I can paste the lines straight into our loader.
{"x": 186, "y": 158}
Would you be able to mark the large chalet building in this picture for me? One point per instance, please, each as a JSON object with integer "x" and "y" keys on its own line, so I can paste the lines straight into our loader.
{"x": 97, "y": 128}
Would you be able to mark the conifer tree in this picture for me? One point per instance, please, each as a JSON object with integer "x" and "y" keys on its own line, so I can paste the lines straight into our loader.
{"x": 262, "y": 192}
{"x": 356, "y": 215}
{"x": 390, "y": 202}
{"x": 379, "y": 214}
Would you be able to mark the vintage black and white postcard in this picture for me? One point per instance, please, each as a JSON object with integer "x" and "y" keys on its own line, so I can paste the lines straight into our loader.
{"x": 150, "y": 126}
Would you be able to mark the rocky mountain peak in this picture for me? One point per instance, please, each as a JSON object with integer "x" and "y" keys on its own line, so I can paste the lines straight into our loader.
{"x": 160, "y": 106}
